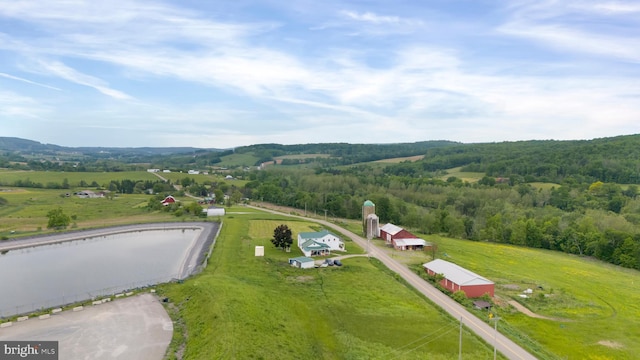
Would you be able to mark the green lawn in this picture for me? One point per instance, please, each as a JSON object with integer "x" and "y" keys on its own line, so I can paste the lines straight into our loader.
{"x": 244, "y": 307}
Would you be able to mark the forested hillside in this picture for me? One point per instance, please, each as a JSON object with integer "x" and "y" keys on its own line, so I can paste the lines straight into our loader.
{"x": 343, "y": 153}
{"x": 608, "y": 160}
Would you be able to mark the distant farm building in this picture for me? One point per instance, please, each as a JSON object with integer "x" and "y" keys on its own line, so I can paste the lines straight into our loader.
{"x": 168, "y": 200}
{"x": 88, "y": 194}
{"x": 153, "y": 170}
{"x": 302, "y": 262}
{"x": 458, "y": 278}
{"x": 214, "y": 211}
{"x": 319, "y": 243}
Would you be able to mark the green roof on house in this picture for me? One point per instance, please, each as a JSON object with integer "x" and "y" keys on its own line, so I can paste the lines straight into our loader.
{"x": 315, "y": 235}
{"x": 369, "y": 203}
{"x": 301, "y": 259}
{"x": 314, "y": 245}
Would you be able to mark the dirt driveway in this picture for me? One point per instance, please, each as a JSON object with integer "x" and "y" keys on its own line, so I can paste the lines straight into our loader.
{"x": 136, "y": 327}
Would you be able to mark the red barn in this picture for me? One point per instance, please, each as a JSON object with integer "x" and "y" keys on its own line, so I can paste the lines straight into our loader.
{"x": 458, "y": 278}
{"x": 389, "y": 232}
{"x": 168, "y": 200}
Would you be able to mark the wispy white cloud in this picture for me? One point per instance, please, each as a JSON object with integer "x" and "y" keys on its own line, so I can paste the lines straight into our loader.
{"x": 570, "y": 26}
{"x": 373, "y": 18}
{"x": 29, "y": 81}
{"x": 59, "y": 69}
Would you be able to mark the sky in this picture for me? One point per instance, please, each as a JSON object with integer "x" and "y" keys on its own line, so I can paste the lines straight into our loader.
{"x": 221, "y": 74}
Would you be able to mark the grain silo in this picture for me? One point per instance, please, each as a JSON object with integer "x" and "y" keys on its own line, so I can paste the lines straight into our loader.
{"x": 372, "y": 229}
{"x": 368, "y": 208}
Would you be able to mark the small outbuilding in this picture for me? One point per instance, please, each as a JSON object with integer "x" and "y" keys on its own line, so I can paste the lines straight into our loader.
{"x": 302, "y": 262}
{"x": 259, "y": 251}
{"x": 457, "y": 278}
{"x": 214, "y": 211}
{"x": 168, "y": 200}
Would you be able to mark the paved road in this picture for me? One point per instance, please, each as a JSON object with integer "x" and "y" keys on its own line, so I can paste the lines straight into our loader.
{"x": 504, "y": 345}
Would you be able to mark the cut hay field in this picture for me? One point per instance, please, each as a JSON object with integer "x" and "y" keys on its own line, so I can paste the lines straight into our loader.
{"x": 470, "y": 177}
{"x": 246, "y": 307}
{"x": 597, "y": 304}
{"x": 400, "y": 159}
{"x": 302, "y": 156}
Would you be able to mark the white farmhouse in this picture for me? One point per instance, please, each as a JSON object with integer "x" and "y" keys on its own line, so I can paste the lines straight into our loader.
{"x": 319, "y": 243}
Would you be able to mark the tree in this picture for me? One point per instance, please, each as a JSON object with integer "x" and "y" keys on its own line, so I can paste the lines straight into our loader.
{"x": 58, "y": 219}
{"x": 282, "y": 237}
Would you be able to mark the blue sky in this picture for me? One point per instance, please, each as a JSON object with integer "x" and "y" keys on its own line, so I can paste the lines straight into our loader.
{"x": 219, "y": 74}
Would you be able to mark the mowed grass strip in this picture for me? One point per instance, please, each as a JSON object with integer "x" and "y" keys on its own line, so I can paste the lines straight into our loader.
{"x": 244, "y": 307}
{"x": 598, "y": 304}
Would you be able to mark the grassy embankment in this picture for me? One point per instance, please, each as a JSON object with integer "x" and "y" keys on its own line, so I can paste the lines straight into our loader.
{"x": 243, "y": 306}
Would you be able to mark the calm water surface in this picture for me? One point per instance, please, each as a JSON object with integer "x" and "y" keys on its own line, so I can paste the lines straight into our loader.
{"x": 52, "y": 275}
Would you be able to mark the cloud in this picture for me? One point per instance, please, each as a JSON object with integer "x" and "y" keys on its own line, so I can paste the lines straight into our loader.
{"x": 570, "y": 26}
{"x": 29, "y": 81}
{"x": 372, "y": 18}
{"x": 236, "y": 80}
{"x": 59, "y": 69}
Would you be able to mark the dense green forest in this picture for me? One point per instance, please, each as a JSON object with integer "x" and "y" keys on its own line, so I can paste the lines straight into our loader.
{"x": 579, "y": 197}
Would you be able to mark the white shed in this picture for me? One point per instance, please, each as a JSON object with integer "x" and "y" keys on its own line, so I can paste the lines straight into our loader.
{"x": 214, "y": 211}
{"x": 259, "y": 250}
{"x": 302, "y": 262}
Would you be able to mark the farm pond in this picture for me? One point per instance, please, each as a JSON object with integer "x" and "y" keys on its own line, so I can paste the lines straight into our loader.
{"x": 56, "y": 274}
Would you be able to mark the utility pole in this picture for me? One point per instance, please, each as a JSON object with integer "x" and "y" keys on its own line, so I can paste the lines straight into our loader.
{"x": 460, "y": 341}
{"x": 495, "y": 338}
{"x": 325, "y": 214}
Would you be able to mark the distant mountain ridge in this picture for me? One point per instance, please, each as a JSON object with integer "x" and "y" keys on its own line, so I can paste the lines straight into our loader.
{"x": 25, "y": 146}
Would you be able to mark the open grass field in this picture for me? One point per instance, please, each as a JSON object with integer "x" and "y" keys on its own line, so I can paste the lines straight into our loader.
{"x": 26, "y": 210}
{"x": 400, "y": 159}
{"x": 236, "y": 160}
{"x": 302, "y": 156}
{"x": 470, "y": 177}
{"x": 74, "y": 178}
{"x": 176, "y": 177}
{"x": 596, "y": 305}
{"x": 246, "y": 307}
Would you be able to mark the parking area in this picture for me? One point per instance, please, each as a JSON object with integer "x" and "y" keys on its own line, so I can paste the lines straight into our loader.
{"x": 136, "y": 327}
